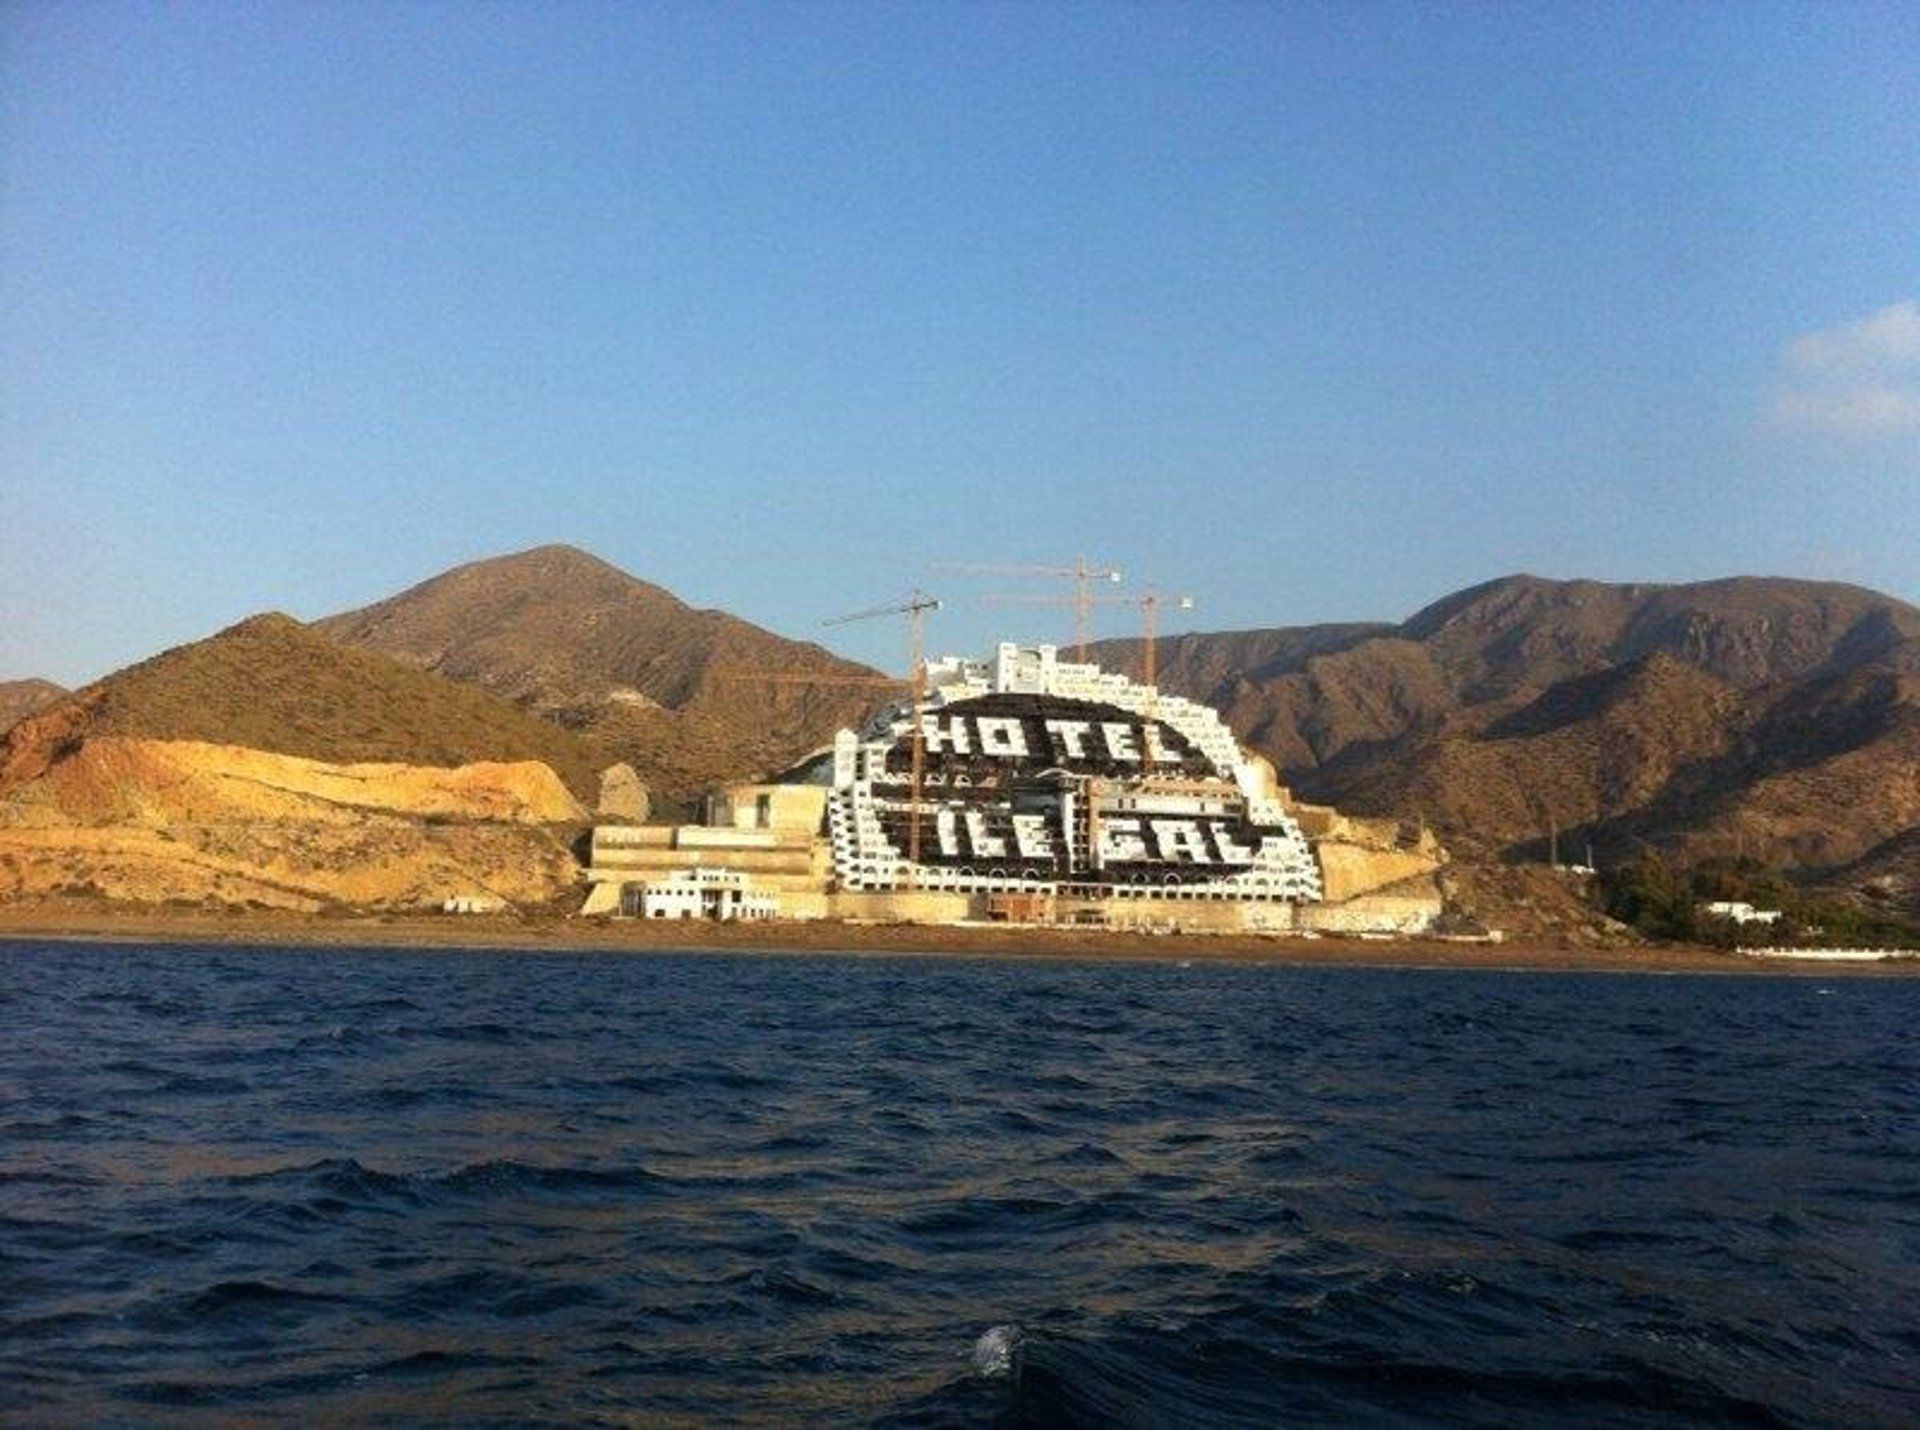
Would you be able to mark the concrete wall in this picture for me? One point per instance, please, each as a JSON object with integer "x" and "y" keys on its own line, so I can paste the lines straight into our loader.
{"x": 789, "y": 809}
{"x": 632, "y": 836}
{"x": 700, "y": 836}
{"x": 900, "y": 906}
{"x": 1186, "y": 915}
{"x": 789, "y": 866}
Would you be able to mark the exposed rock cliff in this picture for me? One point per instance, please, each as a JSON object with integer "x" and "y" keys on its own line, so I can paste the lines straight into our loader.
{"x": 270, "y": 683}
{"x": 154, "y": 820}
{"x": 115, "y": 780}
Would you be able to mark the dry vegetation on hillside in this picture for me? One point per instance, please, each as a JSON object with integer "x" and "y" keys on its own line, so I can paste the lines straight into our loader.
{"x": 269, "y": 683}
{"x": 21, "y": 698}
{"x": 1780, "y": 719}
{"x": 1775, "y": 720}
{"x": 674, "y": 691}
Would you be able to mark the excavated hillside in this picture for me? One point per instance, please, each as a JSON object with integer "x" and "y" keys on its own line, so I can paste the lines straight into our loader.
{"x": 1772, "y": 718}
{"x": 156, "y": 821}
{"x": 270, "y": 683}
{"x": 112, "y": 779}
{"x": 269, "y": 765}
{"x": 679, "y": 693}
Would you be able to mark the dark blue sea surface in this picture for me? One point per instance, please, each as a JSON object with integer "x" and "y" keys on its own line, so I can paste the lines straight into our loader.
{"x": 270, "y": 1185}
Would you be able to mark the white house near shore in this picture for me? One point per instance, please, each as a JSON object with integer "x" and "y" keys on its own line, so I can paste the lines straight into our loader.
{"x": 1742, "y": 913}
{"x": 698, "y": 893}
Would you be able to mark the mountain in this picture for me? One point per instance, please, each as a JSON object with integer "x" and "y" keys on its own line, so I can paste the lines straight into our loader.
{"x": 273, "y": 684}
{"x": 1888, "y": 875}
{"x": 143, "y": 821}
{"x": 20, "y": 698}
{"x": 679, "y": 693}
{"x": 270, "y": 766}
{"x": 1769, "y": 718}
{"x": 1775, "y": 718}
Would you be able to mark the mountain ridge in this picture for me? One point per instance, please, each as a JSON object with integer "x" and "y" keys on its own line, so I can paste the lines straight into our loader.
{"x": 676, "y": 691}
{"x": 1757, "y": 716}
{"x": 1763, "y": 715}
{"x": 21, "y": 698}
{"x": 270, "y": 683}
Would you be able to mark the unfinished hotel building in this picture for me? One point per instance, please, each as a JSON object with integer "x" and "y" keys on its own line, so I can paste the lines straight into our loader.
{"x": 1045, "y": 791}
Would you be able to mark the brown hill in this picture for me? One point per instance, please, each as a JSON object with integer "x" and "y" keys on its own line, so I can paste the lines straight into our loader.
{"x": 1888, "y": 875}
{"x": 272, "y": 684}
{"x": 159, "y": 821}
{"x": 21, "y": 698}
{"x": 677, "y": 692}
{"x": 1771, "y": 717}
{"x": 1507, "y": 640}
{"x": 118, "y": 780}
{"x": 270, "y": 765}
{"x": 1546, "y": 767}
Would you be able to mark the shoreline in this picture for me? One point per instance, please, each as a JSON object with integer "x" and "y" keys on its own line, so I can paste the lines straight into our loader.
{"x": 511, "y": 933}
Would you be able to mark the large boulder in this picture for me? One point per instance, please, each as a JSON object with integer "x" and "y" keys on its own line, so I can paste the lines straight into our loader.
{"x": 623, "y": 797}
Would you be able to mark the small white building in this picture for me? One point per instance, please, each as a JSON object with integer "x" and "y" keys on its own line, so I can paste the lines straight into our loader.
{"x": 1742, "y": 913}
{"x": 698, "y": 893}
{"x": 473, "y": 904}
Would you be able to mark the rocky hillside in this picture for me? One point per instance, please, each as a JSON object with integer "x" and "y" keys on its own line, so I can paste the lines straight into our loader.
{"x": 268, "y": 765}
{"x": 169, "y": 821}
{"x": 679, "y": 693}
{"x": 1888, "y": 876}
{"x": 165, "y": 783}
{"x": 272, "y": 684}
{"x": 1775, "y": 718}
{"x": 21, "y": 698}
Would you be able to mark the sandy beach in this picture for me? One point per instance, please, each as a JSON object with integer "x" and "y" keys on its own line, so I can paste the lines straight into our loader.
{"x": 455, "y": 932}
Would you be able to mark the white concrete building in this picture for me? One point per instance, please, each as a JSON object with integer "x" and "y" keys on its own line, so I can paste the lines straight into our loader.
{"x": 698, "y": 893}
{"x": 1044, "y": 774}
{"x": 1742, "y": 913}
{"x": 1049, "y": 791}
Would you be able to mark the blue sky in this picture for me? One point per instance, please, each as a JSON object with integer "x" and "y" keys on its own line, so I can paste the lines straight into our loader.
{"x": 1316, "y": 312}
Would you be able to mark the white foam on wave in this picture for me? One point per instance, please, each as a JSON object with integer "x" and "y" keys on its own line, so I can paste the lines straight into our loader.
{"x": 993, "y": 1352}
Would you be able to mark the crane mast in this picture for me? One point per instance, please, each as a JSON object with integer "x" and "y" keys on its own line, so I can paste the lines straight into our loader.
{"x": 1084, "y": 574}
{"x": 1149, "y": 601}
{"x": 914, "y": 607}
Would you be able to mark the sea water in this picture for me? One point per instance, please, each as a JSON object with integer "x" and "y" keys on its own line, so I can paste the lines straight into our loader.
{"x": 274, "y": 1185}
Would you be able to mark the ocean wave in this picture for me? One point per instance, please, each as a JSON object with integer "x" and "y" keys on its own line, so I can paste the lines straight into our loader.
{"x": 393, "y": 1187}
{"x": 494, "y": 1178}
{"x": 1199, "y": 1376}
{"x": 251, "y": 1304}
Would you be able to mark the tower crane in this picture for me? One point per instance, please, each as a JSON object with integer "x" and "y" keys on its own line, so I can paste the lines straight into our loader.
{"x": 1083, "y": 573}
{"x": 914, "y": 606}
{"x": 1149, "y": 601}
